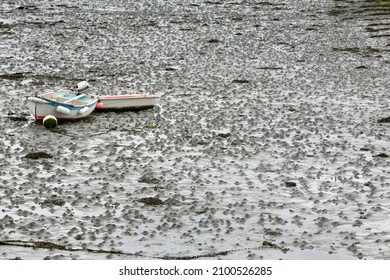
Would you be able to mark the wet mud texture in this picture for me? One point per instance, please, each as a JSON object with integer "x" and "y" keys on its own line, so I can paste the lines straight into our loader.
{"x": 270, "y": 138}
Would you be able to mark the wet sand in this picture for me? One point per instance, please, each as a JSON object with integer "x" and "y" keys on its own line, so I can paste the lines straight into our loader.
{"x": 264, "y": 144}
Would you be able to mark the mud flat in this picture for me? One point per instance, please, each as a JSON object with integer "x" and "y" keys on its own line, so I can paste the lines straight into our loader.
{"x": 265, "y": 142}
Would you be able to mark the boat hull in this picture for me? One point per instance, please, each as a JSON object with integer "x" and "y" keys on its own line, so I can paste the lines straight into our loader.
{"x": 62, "y": 104}
{"x": 126, "y": 102}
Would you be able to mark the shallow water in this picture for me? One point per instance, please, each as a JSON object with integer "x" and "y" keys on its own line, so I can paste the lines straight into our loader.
{"x": 266, "y": 142}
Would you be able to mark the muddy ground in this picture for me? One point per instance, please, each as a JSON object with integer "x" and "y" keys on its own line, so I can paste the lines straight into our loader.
{"x": 270, "y": 138}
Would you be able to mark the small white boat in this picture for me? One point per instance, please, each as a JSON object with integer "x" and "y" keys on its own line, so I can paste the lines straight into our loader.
{"x": 126, "y": 102}
{"x": 62, "y": 104}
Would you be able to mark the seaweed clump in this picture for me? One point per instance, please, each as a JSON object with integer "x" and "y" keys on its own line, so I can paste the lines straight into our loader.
{"x": 38, "y": 155}
{"x": 152, "y": 201}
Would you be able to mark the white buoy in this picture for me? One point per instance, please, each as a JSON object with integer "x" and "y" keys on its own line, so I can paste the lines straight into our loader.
{"x": 82, "y": 86}
{"x": 63, "y": 110}
{"x": 83, "y": 110}
{"x": 50, "y": 122}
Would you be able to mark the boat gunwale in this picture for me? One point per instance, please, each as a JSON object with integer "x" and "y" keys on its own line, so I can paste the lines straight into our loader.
{"x": 62, "y": 100}
{"x": 125, "y": 97}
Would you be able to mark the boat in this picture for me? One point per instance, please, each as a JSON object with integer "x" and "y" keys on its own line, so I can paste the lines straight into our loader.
{"x": 132, "y": 102}
{"x": 64, "y": 104}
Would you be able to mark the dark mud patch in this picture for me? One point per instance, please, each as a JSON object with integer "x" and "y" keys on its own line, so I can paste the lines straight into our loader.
{"x": 382, "y": 155}
{"x": 349, "y": 49}
{"x": 271, "y": 232}
{"x": 151, "y": 201}
{"x": 270, "y": 68}
{"x": 12, "y": 76}
{"x": 48, "y": 245}
{"x": 370, "y": 29}
{"x": 38, "y": 244}
{"x": 38, "y": 155}
{"x": 224, "y": 135}
{"x": 290, "y": 184}
{"x": 270, "y": 245}
{"x": 211, "y": 255}
{"x": 369, "y": 11}
{"x": 54, "y": 246}
{"x": 148, "y": 179}
{"x": 213, "y": 2}
{"x": 214, "y": 41}
{"x": 4, "y": 25}
{"x": 27, "y": 8}
{"x": 265, "y": 245}
{"x": 54, "y": 201}
{"x": 18, "y": 118}
{"x": 240, "y": 81}
{"x": 337, "y": 12}
{"x": 384, "y": 120}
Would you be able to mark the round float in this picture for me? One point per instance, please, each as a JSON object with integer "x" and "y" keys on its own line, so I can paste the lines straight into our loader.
{"x": 63, "y": 110}
{"x": 99, "y": 105}
{"x": 50, "y": 122}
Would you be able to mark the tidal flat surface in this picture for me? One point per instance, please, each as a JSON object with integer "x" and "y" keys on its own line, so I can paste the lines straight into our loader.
{"x": 270, "y": 138}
